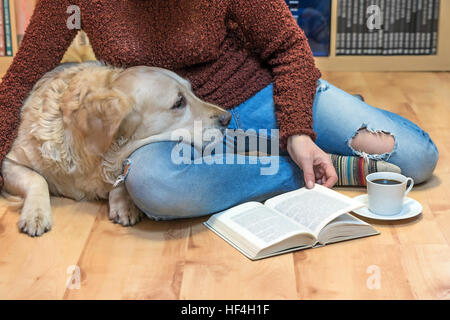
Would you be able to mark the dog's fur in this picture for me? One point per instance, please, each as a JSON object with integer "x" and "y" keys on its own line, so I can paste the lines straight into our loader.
{"x": 80, "y": 50}
{"x": 81, "y": 121}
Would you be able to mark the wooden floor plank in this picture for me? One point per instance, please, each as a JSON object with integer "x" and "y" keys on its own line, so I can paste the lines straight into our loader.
{"x": 427, "y": 268}
{"x": 141, "y": 262}
{"x": 215, "y": 269}
{"x": 36, "y": 268}
{"x": 343, "y": 270}
{"x": 443, "y": 221}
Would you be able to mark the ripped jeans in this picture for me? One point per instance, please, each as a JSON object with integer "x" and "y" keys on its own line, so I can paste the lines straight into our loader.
{"x": 165, "y": 190}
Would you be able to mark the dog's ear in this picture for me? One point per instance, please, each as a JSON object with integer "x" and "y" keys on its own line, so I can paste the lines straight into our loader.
{"x": 99, "y": 118}
{"x": 130, "y": 124}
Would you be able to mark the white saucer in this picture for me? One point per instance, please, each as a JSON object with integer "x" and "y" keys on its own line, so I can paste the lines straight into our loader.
{"x": 411, "y": 208}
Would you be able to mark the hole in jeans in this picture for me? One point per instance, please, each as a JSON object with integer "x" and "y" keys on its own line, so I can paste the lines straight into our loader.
{"x": 376, "y": 144}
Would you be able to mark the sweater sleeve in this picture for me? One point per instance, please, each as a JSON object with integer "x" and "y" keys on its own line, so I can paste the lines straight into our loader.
{"x": 271, "y": 31}
{"x": 45, "y": 41}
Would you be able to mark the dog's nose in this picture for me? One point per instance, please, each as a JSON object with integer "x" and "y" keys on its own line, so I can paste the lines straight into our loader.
{"x": 225, "y": 119}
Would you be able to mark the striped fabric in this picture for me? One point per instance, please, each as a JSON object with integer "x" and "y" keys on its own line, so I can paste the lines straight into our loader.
{"x": 352, "y": 171}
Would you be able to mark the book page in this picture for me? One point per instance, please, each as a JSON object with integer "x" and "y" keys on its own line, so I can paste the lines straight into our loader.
{"x": 259, "y": 224}
{"x": 345, "y": 227}
{"x": 313, "y": 208}
{"x": 265, "y": 225}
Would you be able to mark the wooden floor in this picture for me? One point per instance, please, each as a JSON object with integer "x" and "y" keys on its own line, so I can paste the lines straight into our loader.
{"x": 183, "y": 260}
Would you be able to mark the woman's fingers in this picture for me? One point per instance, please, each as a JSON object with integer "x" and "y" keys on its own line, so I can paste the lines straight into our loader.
{"x": 308, "y": 171}
{"x": 316, "y": 164}
{"x": 330, "y": 174}
{"x": 318, "y": 174}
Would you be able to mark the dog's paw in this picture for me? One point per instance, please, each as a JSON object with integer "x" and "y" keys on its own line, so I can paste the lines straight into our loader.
{"x": 35, "y": 222}
{"x": 123, "y": 211}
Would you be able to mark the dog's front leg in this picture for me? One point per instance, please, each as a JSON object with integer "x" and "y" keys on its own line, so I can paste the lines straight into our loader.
{"x": 36, "y": 216}
{"x": 122, "y": 209}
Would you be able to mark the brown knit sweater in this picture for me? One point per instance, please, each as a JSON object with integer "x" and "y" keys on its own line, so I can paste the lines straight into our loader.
{"x": 228, "y": 49}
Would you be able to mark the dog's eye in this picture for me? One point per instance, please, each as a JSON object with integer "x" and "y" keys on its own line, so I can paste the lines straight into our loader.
{"x": 180, "y": 104}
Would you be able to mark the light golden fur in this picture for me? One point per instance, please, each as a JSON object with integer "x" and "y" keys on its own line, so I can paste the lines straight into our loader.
{"x": 81, "y": 121}
{"x": 80, "y": 50}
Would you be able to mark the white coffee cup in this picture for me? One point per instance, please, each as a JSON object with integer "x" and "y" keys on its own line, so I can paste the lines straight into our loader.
{"x": 387, "y": 199}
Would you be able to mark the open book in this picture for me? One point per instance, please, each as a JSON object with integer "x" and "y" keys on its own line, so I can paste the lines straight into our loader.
{"x": 292, "y": 221}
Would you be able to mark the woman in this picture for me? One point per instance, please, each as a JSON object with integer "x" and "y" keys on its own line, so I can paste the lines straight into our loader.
{"x": 247, "y": 56}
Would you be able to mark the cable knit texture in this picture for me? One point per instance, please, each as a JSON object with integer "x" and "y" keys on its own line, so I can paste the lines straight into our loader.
{"x": 228, "y": 49}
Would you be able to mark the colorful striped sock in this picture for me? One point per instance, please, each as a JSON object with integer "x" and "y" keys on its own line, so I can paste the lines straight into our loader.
{"x": 352, "y": 171}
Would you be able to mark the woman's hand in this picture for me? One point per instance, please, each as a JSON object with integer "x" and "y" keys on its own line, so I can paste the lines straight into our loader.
{"x": 316, "y": 164}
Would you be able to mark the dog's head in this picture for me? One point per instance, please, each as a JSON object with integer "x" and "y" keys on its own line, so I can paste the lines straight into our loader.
{"x": 141, "y": 102}
{"x": 164, "y": 103}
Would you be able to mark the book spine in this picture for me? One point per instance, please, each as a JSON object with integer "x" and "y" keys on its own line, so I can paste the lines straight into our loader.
{"x": 366, "y": 31}
{"x": 370, "y": 43}
{"x": 374, "y": 34}
{"x": 402, "y": 27}
{"x": 370, "y": 47}
{"x": 412, "y": 28}
{"x": 434, "y": 41}
{"x": 339, "y": 28}
{"x": 380, "y": 36}
{"x": 20, "y": 18}
{"x": 343, "y": 25}
{"x": 7, "y": 24}
{"x": 395, "y": 14}
{"x": 368, "y": 38}
{"x": 401, "y": 34}
{"x": 398, "y": 22}
{"x": 388, "y": 30}
{"x": 2, "y": 32}
{"x": 423, "y": 39}
{"x": 361, "y": 27}
{"x": 418, "y": 27}
{"x": 423, "y": 26}
{"x": 365, "y": 38}
{"x": 392, "y": 16}
{"x": 355, "y": 6}
{"x": 386, "y": 27}
{"x": 422, "y": 22}
{"x": 428, "y": 27}
{"x": 408, "y": 12}
{"x": 391, "y": 35}
{"x": 428, "y": 42}
{"x": 348, "y": 41}
{"x": 23, "y": 12}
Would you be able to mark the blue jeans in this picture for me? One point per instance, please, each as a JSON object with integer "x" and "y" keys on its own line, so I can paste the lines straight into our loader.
{"x": 165, "y": 190}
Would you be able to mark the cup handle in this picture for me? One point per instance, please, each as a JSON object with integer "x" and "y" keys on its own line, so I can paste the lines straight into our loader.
{"x": 410, "y": 186}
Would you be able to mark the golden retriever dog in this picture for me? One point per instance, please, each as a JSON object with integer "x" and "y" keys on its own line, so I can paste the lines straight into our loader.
{"x": 78, "y": 125}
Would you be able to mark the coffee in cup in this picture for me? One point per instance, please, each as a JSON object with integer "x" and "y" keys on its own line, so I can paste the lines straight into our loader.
{"x": 387, "y": 191}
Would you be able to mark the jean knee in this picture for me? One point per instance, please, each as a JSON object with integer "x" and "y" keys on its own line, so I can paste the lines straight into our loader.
{"x": 162, "y": 189}
{"x": 155, "y": 199}
{"x": 420, "y": 162}
{"x": 429, "y": 162}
